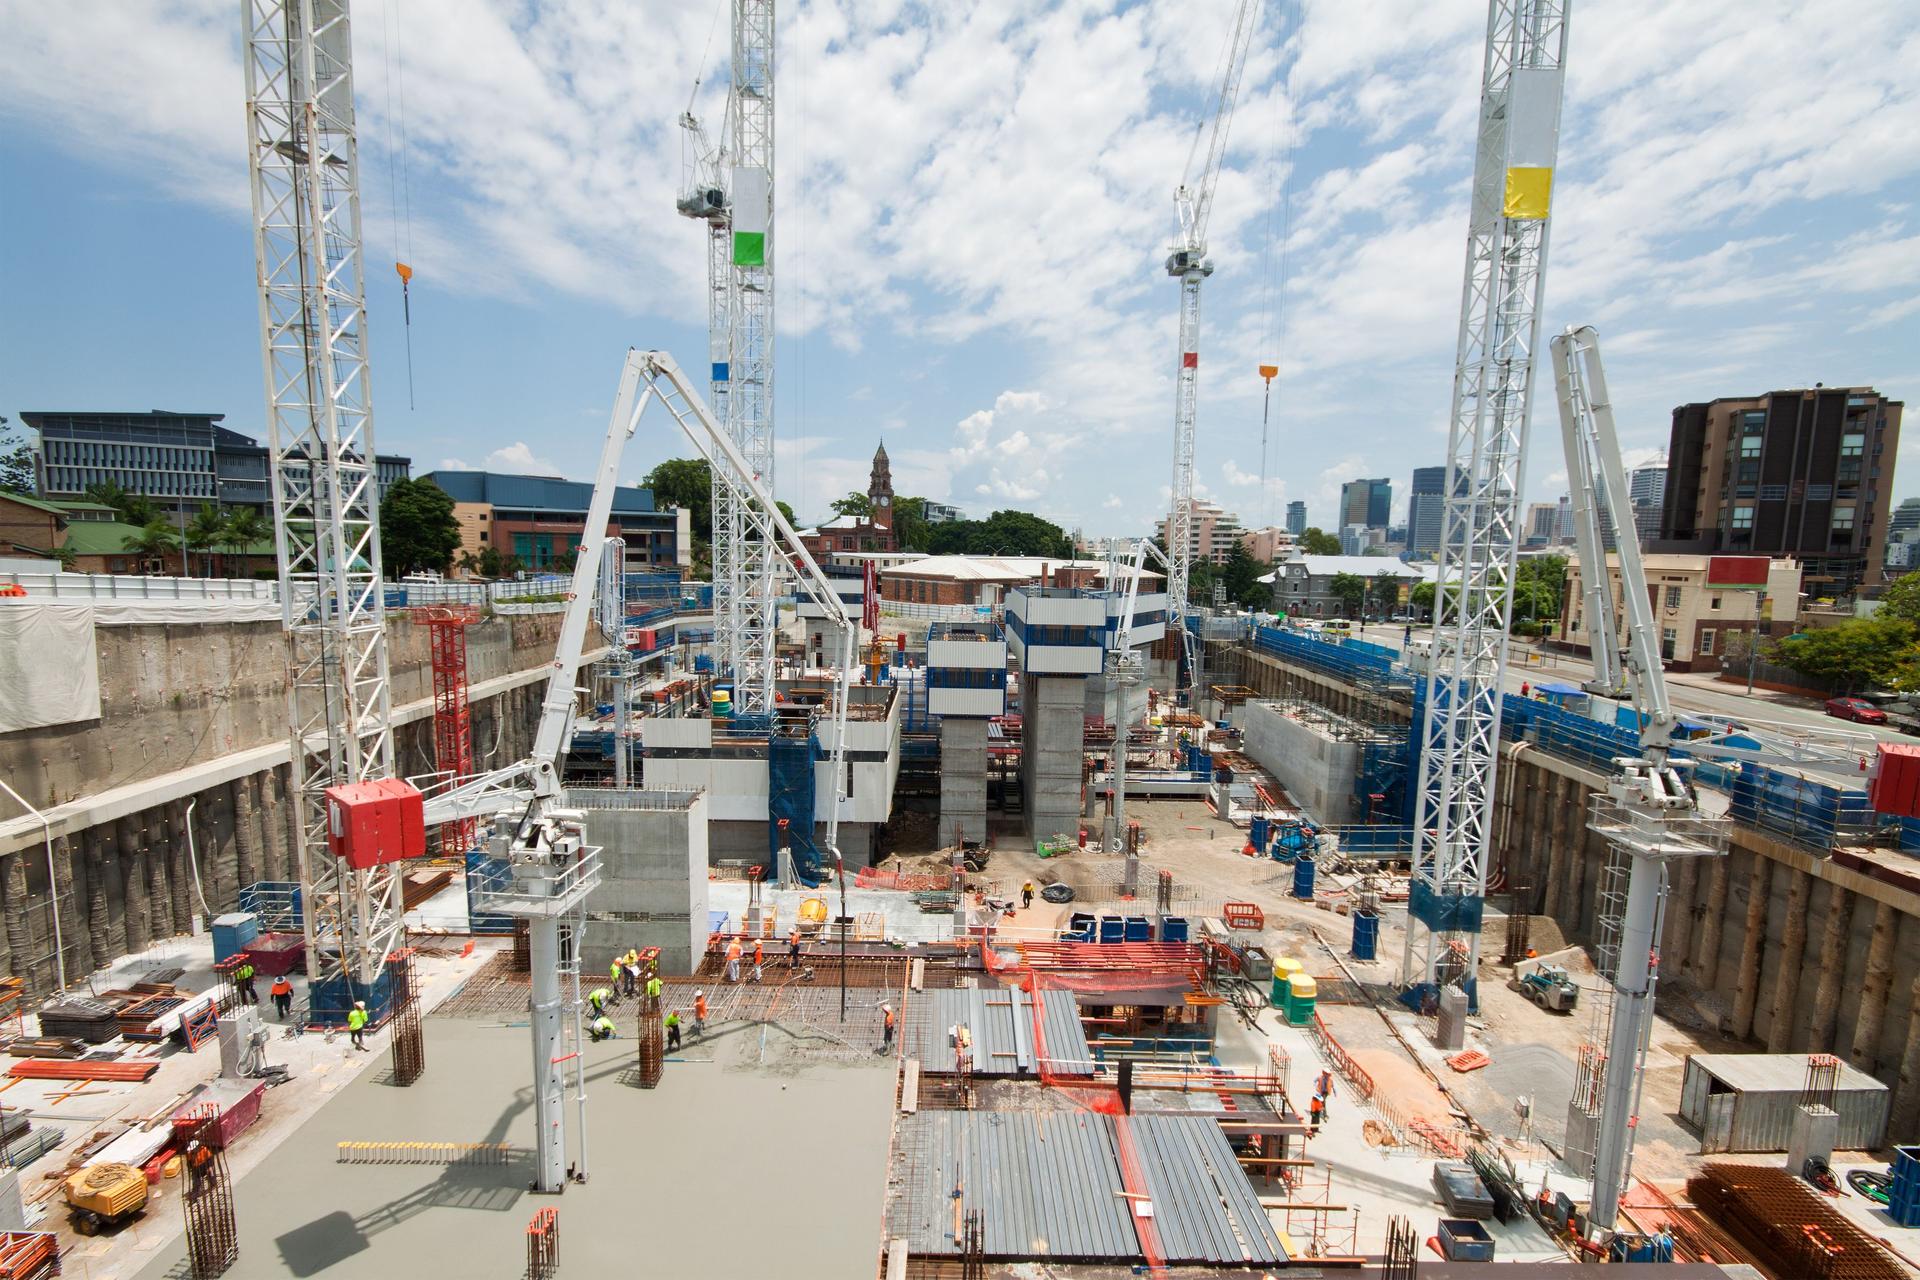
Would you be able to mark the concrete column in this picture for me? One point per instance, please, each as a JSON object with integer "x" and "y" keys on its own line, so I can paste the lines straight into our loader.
{"x": 963, "y": 779}
{"x": 134, "y": 906}
{"x": 180, "y": 879}
{"x": 73, "y": 937}
{"x": 1868, "y": 1031}
{"x": 1833, "y": 965}
{"x": 1706, "y": 968}
{"x": 19, "y": 942}
{"x": 1560, "y": 852}
{"x": 1905, "y": 1109}
{"x": 1053, "y": 738}
{"x": 246, "y": 841}
{"x": 159, "y": 874}
{"x": 1746, "y": 991}
{"x": 100, "y": 846}
{"x": 1793, "y": 950}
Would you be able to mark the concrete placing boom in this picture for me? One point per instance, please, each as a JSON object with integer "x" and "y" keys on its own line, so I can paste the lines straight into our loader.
{"x": 1486, "y": 457}
{"x": 1187, "y": 263}
{"x": 552, "y": 869}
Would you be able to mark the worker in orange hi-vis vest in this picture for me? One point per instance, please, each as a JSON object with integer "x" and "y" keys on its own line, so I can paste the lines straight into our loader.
{"x": 759, "y": 957}
{"x": 733, "y": 961}
{"x": 699, "y": 1013}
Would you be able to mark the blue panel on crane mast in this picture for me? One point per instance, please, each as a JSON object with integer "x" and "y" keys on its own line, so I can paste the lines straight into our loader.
{"x": 720, "y": 371}
{"x": 1445, "y": 912}
{"x": 790, "y": 796}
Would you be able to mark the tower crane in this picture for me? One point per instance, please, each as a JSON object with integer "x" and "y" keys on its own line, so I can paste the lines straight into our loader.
{"x": 1486, "y": 456}
{"x": 552, "y": 868}
{"x": 304, "y": 171}
{"x": 1188, "y": 263}
{"x": 703, "y": 197}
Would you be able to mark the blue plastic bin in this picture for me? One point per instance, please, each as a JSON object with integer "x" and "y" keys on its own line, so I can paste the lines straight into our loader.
{"x": 1303, "y": 878}
{"x": 1173, "y": 929}
{"x": 1139, "y": 929}
{"x": 1366, "y": 935}
{"x": 1113, "y": 929}
{"x": 1903, "y": 1197}
{"x": 1079, "y": 927}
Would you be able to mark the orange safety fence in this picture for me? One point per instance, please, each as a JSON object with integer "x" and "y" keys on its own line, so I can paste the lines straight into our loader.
{"x": 1417, "y": 1131}
{"x": 920, "y": 881}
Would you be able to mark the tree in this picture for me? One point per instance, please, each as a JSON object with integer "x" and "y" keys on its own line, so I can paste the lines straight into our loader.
{"x": 154, "y": 540}
{"x": 1386, "y": 592}
{"x": 1539, "y": 585}
{"x": 417, "y": 528}
{"x": 1350, "y": 589}
{"x": 685, "y": 482}
{"x": 1421, "y": 598}
{"x": 910, "y": 527}
{"x": 1317, "y": 542}
{"x": 857, "y": 505}
{"x": 132, "y": 508}
{"x": 1862, "y": 653}
{"x": 1242, "y": 574}
{"x": 245, "y": 529}
{"x": 16, "y": 463}
{"x": 1007, "y": 533}
{"x": 490, "y": 563}
{"x": 1901, "y": 599}
{"x": 207, "y": 530}
{"x": 787, "y": 511}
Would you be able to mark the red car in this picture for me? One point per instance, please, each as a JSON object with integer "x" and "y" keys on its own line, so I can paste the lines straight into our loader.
{"x": 1858, "y": 710}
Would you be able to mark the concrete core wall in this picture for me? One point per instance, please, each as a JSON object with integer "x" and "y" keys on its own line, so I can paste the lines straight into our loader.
{"x": 963, "y": 779}
{"x": 1296, "y": 746}
{"x": 653, "y": 890}
{"x": 1052, "y": 744}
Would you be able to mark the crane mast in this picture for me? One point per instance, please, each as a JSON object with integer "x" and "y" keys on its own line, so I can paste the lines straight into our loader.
{"x": 745, "y": 568}
{"x": 1187, "y": 263}
{"x": 1486, "y": 457}
{"x": 304, "y": 170}
{"x": 703, "y": 197}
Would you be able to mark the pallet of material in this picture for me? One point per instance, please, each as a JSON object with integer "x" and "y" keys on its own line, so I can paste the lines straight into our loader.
{"x": 135, "y": 1071}
{"x": 46, "y": 1047}
{"x": 137, "y": 1019}
{"x": 91, "y": 1020}
{"x": 422, "y": 885}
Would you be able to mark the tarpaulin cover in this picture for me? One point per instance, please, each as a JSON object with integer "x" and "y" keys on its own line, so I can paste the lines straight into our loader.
{"x": 49, "y": 673}
{"x": 1445, "y": 912}
{"x": 790, "y": 796}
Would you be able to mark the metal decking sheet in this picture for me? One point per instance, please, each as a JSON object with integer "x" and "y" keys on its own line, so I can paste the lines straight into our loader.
{"x": 1001, "y": 1020}
{"x": 1204, "y": 1208}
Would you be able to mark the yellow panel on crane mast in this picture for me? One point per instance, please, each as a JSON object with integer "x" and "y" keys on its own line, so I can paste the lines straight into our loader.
{"x": 1529, "y": 192}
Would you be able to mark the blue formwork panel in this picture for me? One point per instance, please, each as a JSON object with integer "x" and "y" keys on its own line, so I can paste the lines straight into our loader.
{"x": 329, "y": 1001}
{"x": 1173, "y": 929}
{"x": 1139, "y": 929}
{"x": 1080, "y": 926}
{"x": 1303, "y": 878}
{"x": 1366, "y": 935}
{"x": 1113, "y": 929}
{"x": 1445, "y": 912}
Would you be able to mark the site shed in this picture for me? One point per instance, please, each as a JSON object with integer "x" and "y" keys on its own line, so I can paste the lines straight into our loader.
{"x": 1746, "y": 1101}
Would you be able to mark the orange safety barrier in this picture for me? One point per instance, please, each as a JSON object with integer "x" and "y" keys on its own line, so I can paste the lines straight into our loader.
{"x": 1468, "y": 1060}
{"x": 1243, "y": 915}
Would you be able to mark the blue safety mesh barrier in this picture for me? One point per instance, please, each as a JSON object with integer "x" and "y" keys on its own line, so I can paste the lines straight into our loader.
{"x": 1373, "y": 841}
{"x": 1813, "y": 813}
{"x": 329, "y": 1000}
{"x": 1355, "y": 661}
{"x": 1445, "y": 912}
{"x": 790, "y": 796}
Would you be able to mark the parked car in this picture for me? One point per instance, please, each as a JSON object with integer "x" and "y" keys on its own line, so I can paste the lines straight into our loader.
{"x": 1858, "y": 710}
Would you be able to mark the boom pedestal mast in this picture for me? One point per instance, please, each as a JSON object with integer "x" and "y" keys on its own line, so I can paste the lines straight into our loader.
{"x": 304, "y": 169}
{"x": 1486, "y": 457}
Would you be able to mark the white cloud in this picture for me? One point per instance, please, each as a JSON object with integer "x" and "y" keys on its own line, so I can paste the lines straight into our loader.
{"x": 518, "y": 457}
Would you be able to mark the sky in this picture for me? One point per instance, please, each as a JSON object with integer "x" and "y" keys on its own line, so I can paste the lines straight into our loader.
{"x": 973, "y": 209}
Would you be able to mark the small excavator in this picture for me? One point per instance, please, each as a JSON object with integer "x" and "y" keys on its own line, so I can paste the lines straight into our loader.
{"x": 1549, "y": 987}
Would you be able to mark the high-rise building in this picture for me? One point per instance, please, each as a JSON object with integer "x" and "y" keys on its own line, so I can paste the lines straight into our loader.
{"x": 1426, "y": 510}
{"x": 1214, "y": 533}
{"x": 1366, "y": 502}
{"x": 179, "y": 461}
{"x": 1648, "y": 484}
{"x": 1296, "y": 518}
{"x": 1540, "y": 525}
{"x": 1806, "y": 473}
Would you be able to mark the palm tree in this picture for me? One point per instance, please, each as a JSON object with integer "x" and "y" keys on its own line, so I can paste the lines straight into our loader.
{"x": 207, "y": 530}
{"x": 155, "y": 540}
{"x": 245, "y": 528}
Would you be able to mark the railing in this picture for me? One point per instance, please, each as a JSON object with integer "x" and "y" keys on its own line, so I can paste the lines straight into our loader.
{"x": 941, "y": 612}
{"x": 1412, "y": 1131}
{"x": 115, "y": 586}
{"x": 630, "y": 799}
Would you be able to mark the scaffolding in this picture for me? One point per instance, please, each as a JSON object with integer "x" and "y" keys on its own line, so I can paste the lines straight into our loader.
{"x": 452, "y": 720}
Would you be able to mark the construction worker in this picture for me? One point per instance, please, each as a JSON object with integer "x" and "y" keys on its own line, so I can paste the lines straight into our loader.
{"x": 654, "y": 987}
{"x": 597, "y": 1000}
{"x": 699, "y": 1013}
{"x": 357, "y": 1025}
{"x": 1526, "y": 690}
{"x": 759, "y": 958}
{"x": 673, "y": 1030}
{"x": 886, "y": 1028}
{"x": 601, "y": 1028}
{"x": 1323, "y": 1090}
{"x": 613, "y": 974}
{"x": 1026, "y": 895}
{"x": 282, "y": 993}
{"x": 243, "y": 980}
{"x": 1316, "y": 1113}
{"x": 733, "y": 960}
{"x": 793, "y": 947}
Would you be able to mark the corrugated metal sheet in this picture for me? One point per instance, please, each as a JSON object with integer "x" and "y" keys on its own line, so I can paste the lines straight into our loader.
{"x": 1001, "y": 1019}
{"x": 1047, "y": 1184}
{"x": 1746, "y": 1102}
{"x": 1204, "y": 1208}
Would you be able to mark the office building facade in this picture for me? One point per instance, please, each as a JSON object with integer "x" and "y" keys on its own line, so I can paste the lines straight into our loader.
{"x": 178, "y": 461}
{"x": 540, "y": 521}
{"x": 1296, "y": 518}
{"x": 1805, "y": 473}
{"x": 1426, "y": 511}
{"x": 1366, "y": 502}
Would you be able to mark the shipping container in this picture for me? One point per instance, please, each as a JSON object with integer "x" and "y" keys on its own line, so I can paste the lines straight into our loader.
{"x": 1746, "y": 1102}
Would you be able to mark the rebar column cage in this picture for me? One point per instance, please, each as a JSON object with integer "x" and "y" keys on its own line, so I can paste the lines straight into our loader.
{"x": 1519, "y": 925}
{"x": 213, "y": 1239}
{"x": 543, "y": 1245}
{"x": 1401, "y": 1258}
{"x": 1823, "y": 1081}
{"x": 652, "y": 1052}
{"x": 409, "y": 1043}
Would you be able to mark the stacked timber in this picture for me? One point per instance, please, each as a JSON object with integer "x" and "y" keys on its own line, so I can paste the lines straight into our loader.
{"x": 81, "y": 1018}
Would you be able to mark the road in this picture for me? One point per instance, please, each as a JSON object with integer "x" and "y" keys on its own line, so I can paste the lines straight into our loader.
{"x": 1699, "y": 692}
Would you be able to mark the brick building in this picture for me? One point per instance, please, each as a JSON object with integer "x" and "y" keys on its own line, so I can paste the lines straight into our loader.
{"x": 850, "y": 533}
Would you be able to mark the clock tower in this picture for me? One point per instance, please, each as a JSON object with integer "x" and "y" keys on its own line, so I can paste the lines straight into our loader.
{"x": 880, "y": 489}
